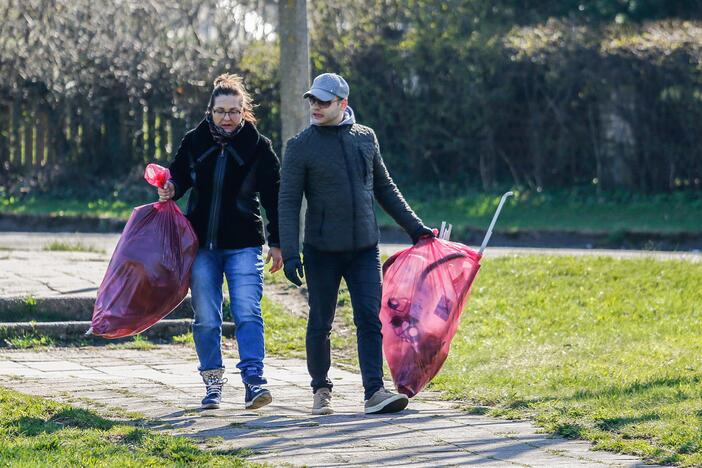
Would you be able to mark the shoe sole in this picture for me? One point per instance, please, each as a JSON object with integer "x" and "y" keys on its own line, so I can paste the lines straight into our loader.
{"x": 210, "y": 406}
{"x": 322, "y": 411}
{"x": 391, "y": 405}
{"x": 260, "y": 401}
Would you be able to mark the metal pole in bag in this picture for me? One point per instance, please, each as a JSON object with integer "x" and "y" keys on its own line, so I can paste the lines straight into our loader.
{"x": 494, "y": 220}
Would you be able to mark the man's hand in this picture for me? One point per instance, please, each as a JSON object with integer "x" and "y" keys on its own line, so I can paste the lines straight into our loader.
{"x": 274, "y": 253}
{"x": 422, "y": 232}
{"x": 167, "y": 192}
{"x": 293, "y": 270}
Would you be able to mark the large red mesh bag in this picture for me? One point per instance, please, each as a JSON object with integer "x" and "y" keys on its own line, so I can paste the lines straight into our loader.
{"x": 149, "y": 273}
{"x": 425, "y": 288}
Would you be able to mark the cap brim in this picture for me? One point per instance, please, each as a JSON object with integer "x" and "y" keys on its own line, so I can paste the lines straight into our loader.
{"x": 320, "y": 94}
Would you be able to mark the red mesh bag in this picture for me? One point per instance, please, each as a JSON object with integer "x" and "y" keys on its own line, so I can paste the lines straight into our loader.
{"x": 424, "y": 290}
{"x": 149, "y": 273}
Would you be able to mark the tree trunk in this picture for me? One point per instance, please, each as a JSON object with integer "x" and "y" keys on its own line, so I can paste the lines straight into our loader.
{"x": 294, "y": 66}
{"x": 113, "y": 144}
{"x": 42, "y": 122}
{"x": 59, "y": 150}
{"x": 162, "y": 137}
{"x": 4, "y": 138}
{"x": 88, "y": 138}
{"x": 28, "y": 126}
{"x": 75, "y": 138}
{"x": 15, "y": 133}
{"x": 138, "y": 134}
{"x": 294, "y": 73}
{"x": 178, "y": 129}
{"x": 487, "y": 159}
{"x": 124, "y": 129}
{"x": 618, "y": 142}
{"x": 151, "y": 133}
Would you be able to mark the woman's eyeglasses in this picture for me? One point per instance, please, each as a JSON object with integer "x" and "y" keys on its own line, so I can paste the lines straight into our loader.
{"x": 318, "y": 102}
{"x": 220, "y": 113}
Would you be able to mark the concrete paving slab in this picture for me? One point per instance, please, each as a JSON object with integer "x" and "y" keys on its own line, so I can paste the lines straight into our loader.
{"x": 56, "y": 366}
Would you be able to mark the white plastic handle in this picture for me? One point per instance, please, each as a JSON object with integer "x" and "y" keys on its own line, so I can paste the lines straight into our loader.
{"x": 494, "y": 220}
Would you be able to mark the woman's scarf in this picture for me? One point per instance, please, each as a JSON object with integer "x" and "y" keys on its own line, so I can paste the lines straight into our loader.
{"x": 221, "y": 136}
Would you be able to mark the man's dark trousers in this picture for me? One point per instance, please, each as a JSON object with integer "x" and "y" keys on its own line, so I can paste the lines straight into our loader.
{"x": 361, "y": 270}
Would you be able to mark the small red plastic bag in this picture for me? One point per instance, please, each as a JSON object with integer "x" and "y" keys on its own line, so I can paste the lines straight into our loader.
{"x": 425, "y": 288}
{"x": 149, "y": 273}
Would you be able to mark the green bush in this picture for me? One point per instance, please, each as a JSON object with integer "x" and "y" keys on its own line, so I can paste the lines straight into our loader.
{"x": 469, "y": 92}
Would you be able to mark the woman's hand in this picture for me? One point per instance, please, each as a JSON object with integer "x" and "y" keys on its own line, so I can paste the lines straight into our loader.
{"x": 275, "y": 254}
{"x": 167, "y": 192}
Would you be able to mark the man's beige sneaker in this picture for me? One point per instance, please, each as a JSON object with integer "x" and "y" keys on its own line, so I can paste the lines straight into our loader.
{"x": 322, "y": 402}
{"x": 384, "y": 401}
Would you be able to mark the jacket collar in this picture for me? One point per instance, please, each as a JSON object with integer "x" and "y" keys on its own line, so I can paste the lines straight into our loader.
{"x": 244, "y": 144}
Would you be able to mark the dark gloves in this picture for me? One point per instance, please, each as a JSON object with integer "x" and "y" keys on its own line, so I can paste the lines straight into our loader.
{"x": 420, "y": 232}
{"x": 293, "y": 270}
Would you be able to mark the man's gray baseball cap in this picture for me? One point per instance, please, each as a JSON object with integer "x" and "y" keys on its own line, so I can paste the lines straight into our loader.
{"x": 328, "y": 86}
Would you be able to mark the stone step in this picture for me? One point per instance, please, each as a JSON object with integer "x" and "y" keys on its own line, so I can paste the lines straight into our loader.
{"x": 68, "y": 308}
{"x": 75, "y": 330}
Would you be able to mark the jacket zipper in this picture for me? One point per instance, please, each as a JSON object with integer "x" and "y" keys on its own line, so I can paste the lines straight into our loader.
{"x": 353, "y": 194}
{"x": 213, "y": 225}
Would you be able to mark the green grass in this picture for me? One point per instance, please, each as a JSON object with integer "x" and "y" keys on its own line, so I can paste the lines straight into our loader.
{"x": 594, "y": 348}
{"x": 50, "y": 205}
{"x": 284, "y": 333}
{"x": 675, "y": 213}
{"x": 36, "y": 340}
{"x": 29, "y": 341}
{"x": 138, "y": 342}
{"x": 577, "y": 210}
{"x": 60, "y": 246}
{"x": 41, "y": 433}
{"x": 45, "y": 204}
{"x": 184, "y": 339}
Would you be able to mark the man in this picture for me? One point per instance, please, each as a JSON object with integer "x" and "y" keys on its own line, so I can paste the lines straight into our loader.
{"x": 336, "y": 164}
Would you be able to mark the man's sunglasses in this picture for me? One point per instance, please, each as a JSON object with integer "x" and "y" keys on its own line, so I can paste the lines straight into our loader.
{"x": 322, "y": 104}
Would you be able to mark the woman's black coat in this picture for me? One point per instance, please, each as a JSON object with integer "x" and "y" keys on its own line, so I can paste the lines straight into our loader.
{"x": 228, "y": 181}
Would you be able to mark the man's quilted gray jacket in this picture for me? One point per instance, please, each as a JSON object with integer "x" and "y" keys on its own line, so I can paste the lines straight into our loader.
{"x": 340, "y": 171}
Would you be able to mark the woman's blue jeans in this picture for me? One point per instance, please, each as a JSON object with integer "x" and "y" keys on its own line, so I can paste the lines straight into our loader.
{"x": 243, "y": 269}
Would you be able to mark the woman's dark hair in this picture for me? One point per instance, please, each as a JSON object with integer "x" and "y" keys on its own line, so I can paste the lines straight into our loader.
{"x": 231, "y": 84}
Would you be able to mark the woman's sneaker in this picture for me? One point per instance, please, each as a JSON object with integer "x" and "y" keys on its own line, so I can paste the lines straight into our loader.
{"x": 213, "y": 387}
{"x": 256, "y": 396}
{"x": 384, "y": 401}
{"x": 321, "y": 404}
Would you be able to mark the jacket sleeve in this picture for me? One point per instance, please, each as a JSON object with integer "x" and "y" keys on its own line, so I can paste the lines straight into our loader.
{"x": 268, "y": 181}
{"x": 180, "y": 169}
{"x": 292, "y": 186}
{"x": 389, "y": 197}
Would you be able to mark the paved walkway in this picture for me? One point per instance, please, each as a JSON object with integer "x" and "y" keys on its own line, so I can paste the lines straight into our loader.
{"x": 107, "y": 242}
{"x": 25, "y": 269}
{"x": 163, "y": 385}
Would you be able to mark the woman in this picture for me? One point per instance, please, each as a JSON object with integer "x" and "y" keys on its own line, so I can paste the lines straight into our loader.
{"x": 227, "y": 163}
